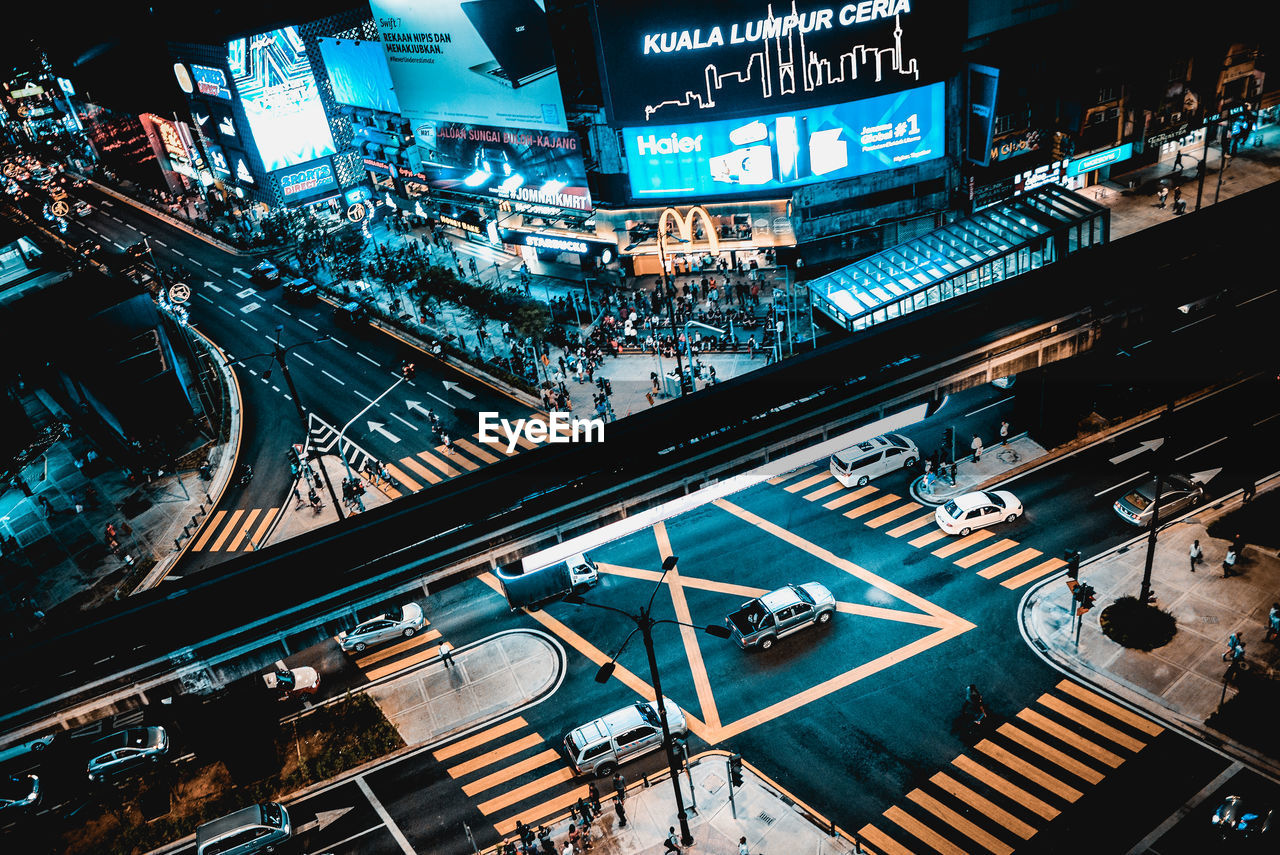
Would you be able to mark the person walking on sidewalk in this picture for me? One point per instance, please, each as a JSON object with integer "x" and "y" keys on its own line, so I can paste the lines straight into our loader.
{"x": 742, "y": 846}
{"x": 1273, "y": 623}
{"x": 1197, "y": 555}
{"x": 593, "y": 798}
{"x": 976, "y": 445}
{"x": 1004, "y": 432}
{"x": 1164, "y": 194}
{"x": 672, "y": 843}
{"x": 621, "y": 810}
{"x": 1235, "y": 648}
{"x": 446, "y": 654}
{"x": 1229, "y": 563}
{"x": 620, "y": 786}
{"x": 1177, "y": 161}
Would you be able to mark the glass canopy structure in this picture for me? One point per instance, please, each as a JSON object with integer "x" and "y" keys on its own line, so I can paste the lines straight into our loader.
{"x": 998, "y": 243}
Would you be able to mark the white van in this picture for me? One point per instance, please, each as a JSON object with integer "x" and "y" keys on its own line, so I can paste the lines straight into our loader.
{"x": 873, "y": 457}
{"x": 598, "y": 748}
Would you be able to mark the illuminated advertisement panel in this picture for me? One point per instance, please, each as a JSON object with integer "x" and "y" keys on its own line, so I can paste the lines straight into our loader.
{"x": 210, "y": 81}
{"x": 780, "y": 151}
{"x": 218, "y": 160}
{"x": 485, "y": 62}
{"x": 281, "y": 102}
{"x": 306, "y": 180}
{"x": 540, "y": 168}
{"x": 359, "y": 74}
{"x": 674, "y": 61}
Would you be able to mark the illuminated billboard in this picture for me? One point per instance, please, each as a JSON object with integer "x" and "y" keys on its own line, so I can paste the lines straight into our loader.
{"x": 273, "y": 78}
{"x": 540, "y": 168}
{"x": 210, "y": 81}
{"x": 486, "y": 62}
{"x": 785, "y": 150}
{"x": 218, "y": 160}
{"x": 306, "y": 181}
{"x": 359, "y": 74}
{"x": 673, "y": 61}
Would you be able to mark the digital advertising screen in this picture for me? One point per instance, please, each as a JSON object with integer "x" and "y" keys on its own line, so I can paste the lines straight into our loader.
{"x": 672, "y": 61}
{"x": 218, "y": 161}
{"x": 359, "y": 74}
{"x": 273, "y": 78}
{"x": 482, "y": 62}
{"x": 306, "y": 181}
{"x": 784, "y": 150}
{"x": 538, "y": 167}
{"x": 211, "y": 82}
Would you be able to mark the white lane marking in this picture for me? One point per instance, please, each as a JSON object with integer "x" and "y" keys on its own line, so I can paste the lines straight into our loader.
{"x": 161, "y": 243}
{"x": 302, "y": 358}
{"x": 406, "y": 421}
{"x": 305, "y": 324}
{"x": 245, "y": 293}
{"x": 367, "y": 359}
{"x": 106, "y": 202}
{"x": 396, "y": 833}
{"x": 1181, "y": 813}
{"x": 203, "y": 297}
{"x": 284, "y": 311}
{"x": 1259, "y": 297}
{"x": 987, "y": 407}
{"x": 212, "y": 287}
{"x": 228, "y": 311}
{"x": 1136, "y": 346}
{"x": 331, "y": 377}
{"x": 337, "y": 341}
{"x": 1193, "y": 323}
{"x": 249, "y": 325}
{"x": 178, "y": 252}
{"x": 118, "y": 244}
{"x": 242, "y": 273}
{"x": 92, "y": 229}
{"x": 441, "y": 400}
{"x": 1201, "y": 448}
{"x": 250, "y": 307}
{"x": 1121, "y": 484}
{"x": 251, "y": 371}
{"x": 1267, "y": 419}
{"x": 363, "y": 395}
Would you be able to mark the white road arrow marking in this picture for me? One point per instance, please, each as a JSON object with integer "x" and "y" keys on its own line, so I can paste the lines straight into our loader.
{"x": 208, "y": 284}
{"x": 416, "y": 407}
{"x": 378, "y": 427}
{"x": 1205, "y": 476}
{"x": 450, "y": 386}
{"x": 324, "y": 819}
{"x": 241, "y": 272}
{"x": 1145, "y": 445}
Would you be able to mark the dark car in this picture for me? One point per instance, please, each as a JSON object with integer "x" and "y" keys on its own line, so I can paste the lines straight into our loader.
{"x": 126, "y": 750}
{"x": 351, "y": 313}
{"x": 265, "y": 273}
{"x": 1236, "y": 818}
{"x": 88, "y": 248}
{"x": 136, "y": 252}
{"x": 302, "y": 291}
{"x": 18, "y": 792}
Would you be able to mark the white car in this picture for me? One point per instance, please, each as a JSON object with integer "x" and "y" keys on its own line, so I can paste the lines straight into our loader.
{"x": 964, "y": 513}
{"x": 383, "y": 628}
{"x": 22, "y": 749}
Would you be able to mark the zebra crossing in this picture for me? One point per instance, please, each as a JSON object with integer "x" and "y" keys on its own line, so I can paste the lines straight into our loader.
{"x": 240, "y": 530}
{"x": 1017, "y": 780}
{"x": 512, "y": 774}
{"x": 378, "y": 662}
{"x": 902, "y": 518}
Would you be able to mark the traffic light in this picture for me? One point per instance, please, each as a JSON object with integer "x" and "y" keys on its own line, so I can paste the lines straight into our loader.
{"x": 1087, "y": 595}
{"x": 1073, "y": 563}
{"x": 608, "y": 387}
{"x": 735, "y": 769}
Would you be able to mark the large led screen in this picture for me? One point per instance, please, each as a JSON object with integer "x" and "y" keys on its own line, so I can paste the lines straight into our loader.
{"x": 671, "y": 61}
{"x": 481, "y": 62}
{"x": 537, "y": 167}
{"x": 273, "y": 77}
{"x": 359, "y": 74}
{"x": 784, "y": 150}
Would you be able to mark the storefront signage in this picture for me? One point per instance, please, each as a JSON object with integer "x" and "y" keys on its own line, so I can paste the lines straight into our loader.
{"x": 1099, "y": 159}
{"x": 358, "y": 194}
{"x": 1016, "y": 145}
{"x": 28, "y": 91}
{"x": 310, "y": 179}
{"x": 991, "y": 194}
{"x": 459, "y": 224}
{"x": 556, "y": 243}
{"x": 209, "y": 81}
{"x": 1177, "y": 132}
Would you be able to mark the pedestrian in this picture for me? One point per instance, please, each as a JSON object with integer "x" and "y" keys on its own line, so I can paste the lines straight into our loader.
{"x": 751, "y": 347}
{"x": 620, "y": 786}
{"x": 1004, "y": 432}
{"x": 575, "y": 838}
{"x": 1177, "y": 161}
{"x": 568, "y": 848}
{"x": 742, "y": 846}
{"x": 1164, "y": 193}
{"x": 46, "y": 504}
{"x": 1229, "y": 563}
{"x": 544, "y": 837}
{"x": 976, "y": 445}
{"x": 584, "y": 809}
{"x": 298, "y": 497}
{"x": 1197, "y": 555}
{"x": 525, "y": 833}
{"x": 383, "y": 473}
{"x": 620, "y": 809}
{"x": 447, "y": 443}
{"x": 1250, "y": 490}
{"x": 446, "y": 654}
{"x": 593, "y": 798}
{"x": 1177, "y": 199}
{"x": 672, "y": 843}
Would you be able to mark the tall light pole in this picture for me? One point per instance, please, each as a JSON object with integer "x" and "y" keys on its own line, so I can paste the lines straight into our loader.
{"x": 645, "y": 623}
{"x": 671, "y": 309}
{"x": 342, "y": 453}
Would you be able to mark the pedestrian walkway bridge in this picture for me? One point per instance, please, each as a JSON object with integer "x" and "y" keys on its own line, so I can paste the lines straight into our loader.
{"x": 998, "y": 243}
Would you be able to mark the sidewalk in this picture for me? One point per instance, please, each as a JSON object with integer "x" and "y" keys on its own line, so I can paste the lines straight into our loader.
{"x": 996, "y": 463}
{"x": 1183, "y": 681}
{"x": 296, "y": 516}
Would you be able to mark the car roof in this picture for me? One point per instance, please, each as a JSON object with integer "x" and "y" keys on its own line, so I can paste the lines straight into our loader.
{"x": 973, "y": 500}
{"x": 251, "y": 815}
{"x": 780, "y": 598}
{"x": 853, "y": 452}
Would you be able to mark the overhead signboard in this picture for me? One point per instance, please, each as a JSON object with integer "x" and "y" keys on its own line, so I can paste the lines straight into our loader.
{"x": 780, "y": 151}
{"x": 306, "y": 181}
{"x": 671, "y": 61}
{"x": 218, "y": 161}
{"x": 281, "y": 101}
{"x": 527, "y": 166}
{"x": 1099, "y": 159}
{"x": 29, "y": 91}
{"x": 486, "y": 62}
{"x": 209, "y": 81}
{"x": 549, "y": 242}
{"x": 359, "y": 74}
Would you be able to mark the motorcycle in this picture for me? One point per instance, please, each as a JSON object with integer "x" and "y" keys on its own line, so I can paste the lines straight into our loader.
{"x": 244, "y": 474}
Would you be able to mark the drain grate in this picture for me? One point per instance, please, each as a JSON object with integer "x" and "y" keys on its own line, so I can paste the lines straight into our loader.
{"x": 765, "y": 818}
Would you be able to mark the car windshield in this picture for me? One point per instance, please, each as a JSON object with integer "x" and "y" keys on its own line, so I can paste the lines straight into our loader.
{"x": 994, "y": 499}
{"x": 802, "y": 594}
{"x": 647, "y": 713}
{"x": 573, "y": 746}
{"x": 952, "y": 510}
{"x": 1138, "y": 500}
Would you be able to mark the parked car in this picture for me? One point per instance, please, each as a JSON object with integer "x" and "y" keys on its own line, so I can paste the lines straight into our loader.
{"x": 1236, "y": 818}
{"x": 791, "y": 608}
{"x": 257, "y": 828}
{"x": 1178, "y": 493}
{"x": 27, "y": 748}
{"x": 383, "y": 628}
{"x": 964, "y": 513}
{"x": 292, "y": 682}
{"x": 18, "y": 792}
{"x": 265, "y": 273}
{"x": 302, "y": 291}
{"x": 351, "y": 313}
{"x": 126, "y": 750}
{"x": 873, "y": 457}
{"x": 600, "y": 746}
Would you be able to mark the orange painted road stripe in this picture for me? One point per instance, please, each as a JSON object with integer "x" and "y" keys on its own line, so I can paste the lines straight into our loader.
{"x": 1009, "y": 563}
{"x": 525, "y": 443}
{"x": 896, "y": 513}
{"x": 1014, "y": 793}
{"x": 464, "y": 745}
{"x": 524, "y": 743}
{"x": 1040, "y": 747}
{"x": 1026, "y": 770}
{"x": 922, "y": 831}
{"x": 439, "y": 464}
{"x": 208, "y": 531}
{"x": 1114, "y": 710}
{"x": 882, "y": 842}
{"x": 459, "y": 459}
{"x": 499, "y": 445}
{"x": 986, "y": 552}
{"x": 849, "y": 497}
{"x": 824, "y": 492}
{"x": 1080, "y": 717}
{"x": 262, "y": 527}
{"x": 787, "y": 476}
{"x": 916, "y": 523}
{"x": 1044, "y": 568}
{"x": 421, "y": 639}
{"x": 535, "y": 814}
{"x": 1070, "y": 737}
{"x": 244, "y": 530}
{"x": 809, "y": 482}
{"x": 397, "y": 473}
{"x": 226, "y": 530}
{"x": 475, "y": 450}
{"x": 420, "y": 470}
{"x": 519, "y": 794}
{"x": 926, "y": 539}
{"x": 873, "y": 505}
{"x": 983, "y": 805}
{"x": 402, "y": 664}
{"x": 511, "y": 772}
{"x": 988, "y": 841}
{"x": 963, "y": 543}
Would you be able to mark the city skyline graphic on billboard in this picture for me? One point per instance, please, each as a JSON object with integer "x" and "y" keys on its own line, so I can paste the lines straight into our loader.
{"x": 281, "y": 101}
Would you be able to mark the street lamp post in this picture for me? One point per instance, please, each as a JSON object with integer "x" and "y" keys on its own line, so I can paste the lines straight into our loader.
{"x": 645, "y": 623}
{"x": 671, "y": 310}
{"x": 342, "y": 452}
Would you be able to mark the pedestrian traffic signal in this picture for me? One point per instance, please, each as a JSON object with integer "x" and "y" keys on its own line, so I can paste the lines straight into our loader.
{"x": 1073, "y": 563}
{"x": 735, "y": 769}
{"x": 1087, "y": 596}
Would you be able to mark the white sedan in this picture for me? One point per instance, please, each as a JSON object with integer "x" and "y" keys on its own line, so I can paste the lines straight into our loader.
{"x": 964, "y": 513}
